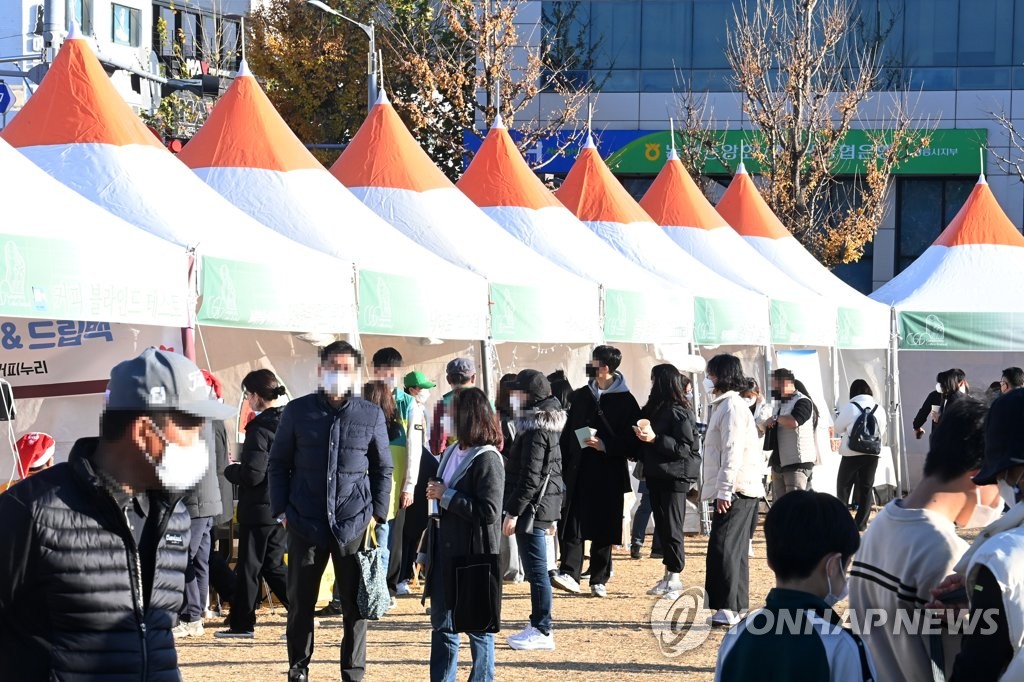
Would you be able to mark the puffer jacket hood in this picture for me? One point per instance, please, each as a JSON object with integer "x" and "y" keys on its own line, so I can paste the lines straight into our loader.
{"x": 535, "y": 385}
{"x": 546, "y": 415}
{"x": 534, "y": 455}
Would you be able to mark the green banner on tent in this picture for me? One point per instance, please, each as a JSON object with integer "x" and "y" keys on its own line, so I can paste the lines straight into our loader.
{"x": 961, "y": 331}
{"x": 722, "y": 321}
{"x": 388, "y": 305}
{"x": 862, "y": 328}
{"x": 796, "y": 324}
{"x": 254, "y": 296}
{"x": 532, "y": 313}
{"x": 46, "y": 278}
{"x": 634, "y": 317}
{"x": 950, "y": 151}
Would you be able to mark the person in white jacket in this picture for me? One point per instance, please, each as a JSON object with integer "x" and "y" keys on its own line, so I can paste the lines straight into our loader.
{"x": 857, "y": 469}
{"x": 733, "y": 465}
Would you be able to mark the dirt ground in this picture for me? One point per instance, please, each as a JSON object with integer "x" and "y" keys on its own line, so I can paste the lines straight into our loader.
{"x": 597, "y": 639}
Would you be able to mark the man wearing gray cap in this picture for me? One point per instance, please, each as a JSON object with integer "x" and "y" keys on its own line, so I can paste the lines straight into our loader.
{"x": 461, "y": 372}
{"x": 93, "y": 551}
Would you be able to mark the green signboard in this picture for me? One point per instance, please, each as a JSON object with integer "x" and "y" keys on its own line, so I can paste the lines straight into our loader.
{"x": 950, "y": 151}
{"x": 253, "y": 296}
{"x": 961, "y": 331}
{"x": 643, "y": 317}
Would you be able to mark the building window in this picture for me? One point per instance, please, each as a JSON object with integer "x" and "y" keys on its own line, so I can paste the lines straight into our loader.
{"x": 81, "y": 12}
{"x": 188, "y": 25}
{"x": 208, "y": 39}
{"x": 229, "y": 45}
{"x": 925, "y": 207}
{"x": 165, "y": 31}
{"x": 127, "y": 25}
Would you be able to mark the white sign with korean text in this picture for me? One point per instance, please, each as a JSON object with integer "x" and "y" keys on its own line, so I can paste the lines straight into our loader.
{"x": 39, "y": 352}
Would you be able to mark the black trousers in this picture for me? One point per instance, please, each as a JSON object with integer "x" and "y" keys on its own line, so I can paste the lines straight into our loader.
{"x": 669, "y": 508}
{"x": 857, "y": 473}
{"x": 396, "y": 542}
{"x": 571, "y": 541}
{"x": 727, "y": 571}
{"x": 306, "y": 564}
{"x": 260, "y": 551}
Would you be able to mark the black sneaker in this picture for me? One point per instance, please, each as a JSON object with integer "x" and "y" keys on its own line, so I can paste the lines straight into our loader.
{"x": 328, "y": 611}
{"x": 657, "y": 554}
{"x": 231, "y": 633}
{"x": 634, "y": 551}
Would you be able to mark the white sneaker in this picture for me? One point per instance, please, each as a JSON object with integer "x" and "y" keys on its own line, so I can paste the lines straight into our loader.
{"x": 750, "y": 551}
{"x": 532, "y": 639}
{"x": 564, "y": 581}
{"x": 403, "y": 589}
{"x": 599, "y": 591}
{"x": 183, "y": 629}
{"x": 666, "y": 586}
{"x": 725, "y": 617}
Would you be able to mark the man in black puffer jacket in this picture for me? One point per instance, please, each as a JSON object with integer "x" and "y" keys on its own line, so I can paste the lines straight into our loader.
{"x": 93, "y": 551}
{"x": 533, "y": 496}
{"x": 330, "y": 471}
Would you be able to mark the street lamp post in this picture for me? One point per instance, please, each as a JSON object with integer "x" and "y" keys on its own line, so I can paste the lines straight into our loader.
{"x": 371, "y": 58}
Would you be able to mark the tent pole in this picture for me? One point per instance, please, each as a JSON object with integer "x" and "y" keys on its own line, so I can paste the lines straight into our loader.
{"x": 486, "y": 369}
{"x": 895, "y": 425}
{"x": 188, "y": 338}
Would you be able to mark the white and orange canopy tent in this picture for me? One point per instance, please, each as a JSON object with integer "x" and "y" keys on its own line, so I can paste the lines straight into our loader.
{"x": 861, "y": 322}
{"x": 960, "y": 304}
{"x": 78, "y": 129}
{"x": 798, "y": 316}
{"x": 247, "y": 152}
{"x": 725, "y": 313}
{"x": 639, "y": 307}
{"x": 532, "y": 299}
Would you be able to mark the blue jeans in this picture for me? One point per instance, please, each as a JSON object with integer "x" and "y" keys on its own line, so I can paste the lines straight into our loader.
{"x": 383, "y": 533}
{"x": 444, "y": 645}
{"x": 533, "y": 549}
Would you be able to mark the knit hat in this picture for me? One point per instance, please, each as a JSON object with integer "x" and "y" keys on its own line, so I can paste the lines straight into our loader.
{"x": 35, "y": 450}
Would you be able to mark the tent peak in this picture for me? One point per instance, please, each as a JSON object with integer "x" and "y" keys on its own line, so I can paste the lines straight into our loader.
{"x": 982, "y": 180}
{"x": 741, "y": 169}
{"x": 75, "y": 31}
{"x": 498, "y": 121}
{"x": 243, "y": 70}
{"x": 382, "y": 97}
{"x": 589, "y": 144}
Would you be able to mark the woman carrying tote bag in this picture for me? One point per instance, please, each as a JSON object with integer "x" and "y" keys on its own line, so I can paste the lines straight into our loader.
{"x": 463, "y": 581}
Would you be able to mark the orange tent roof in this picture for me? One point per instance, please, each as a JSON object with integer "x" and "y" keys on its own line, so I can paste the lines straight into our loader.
{"x": 595, "y": 195}
{"x": 500, "y": 176}
{"x": 980, "y": 221}
{"x": 384, "y": 153}
{"x": 77, "y": 103}
{"x": 245, "y": 131}
{"x": 745, "y": 209}
{"x": 674, "y": 200}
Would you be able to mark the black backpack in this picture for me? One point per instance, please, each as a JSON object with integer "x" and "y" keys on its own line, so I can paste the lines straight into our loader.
{"x": 865, "y": 436}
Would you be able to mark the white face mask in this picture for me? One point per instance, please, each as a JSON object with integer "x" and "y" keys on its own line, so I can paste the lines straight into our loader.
{"x": 938, "y": 388}
{"x": 833, "y": 598}
{"x": 423, "y": 396}
{"x": 963, "y": 388}
{"x": 689, "y": 394}
{"x": 182, "y": 466}
{"x": 446, "y": 423}
{"x": 336, "y": 384}
{"x": 982, "y": 515}
{"x": 515, "y": 403}
{"x": 1008, "y": 492}
{"x": 751, "y": 401}
{"x": 709, "y": 385}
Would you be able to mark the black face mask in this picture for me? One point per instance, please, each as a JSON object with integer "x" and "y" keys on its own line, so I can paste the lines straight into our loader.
{"x": 591, "y": 372}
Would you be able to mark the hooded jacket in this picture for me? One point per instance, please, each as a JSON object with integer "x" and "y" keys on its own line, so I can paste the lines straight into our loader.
{"x": 250, "y": 472}
{"x": 848, "y": 416}
{"x": 733, "y": 463}
{"x": 596, "y": 482}
{"x": 330, "y": 468}
{"x": 72, "y": 602}
{"x": 535, "y": 454}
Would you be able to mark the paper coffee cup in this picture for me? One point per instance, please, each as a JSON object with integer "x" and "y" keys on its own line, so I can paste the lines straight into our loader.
{"x": 643, "y": 424}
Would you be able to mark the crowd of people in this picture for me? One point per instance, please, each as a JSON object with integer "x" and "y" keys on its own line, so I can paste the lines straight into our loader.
{"x": 531, "y": 487}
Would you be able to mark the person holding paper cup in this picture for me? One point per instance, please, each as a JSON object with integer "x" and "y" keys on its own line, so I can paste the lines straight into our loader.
{"x": 670, "y": 452}
{"x": 595, "y": 444}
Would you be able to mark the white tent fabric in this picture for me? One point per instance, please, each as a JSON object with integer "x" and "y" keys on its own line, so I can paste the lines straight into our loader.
{"x": 862, "y": 323}
{"x": 499, "y": 181}
{"x": 78, "y": 130}
{"x": 248, "y": 154}
{"x": 798, "y": 315}
{"x": 61, "y": 265}
{"x": 725, "y": 312}
{"x": 533, "y": 299}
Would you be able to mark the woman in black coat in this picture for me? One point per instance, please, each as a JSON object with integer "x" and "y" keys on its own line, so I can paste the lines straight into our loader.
{"x": 469, "y": 494}
{"x": 670, "y": 453}
{"x": 261, "y": 539}
{"x": 533, "y": 497}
